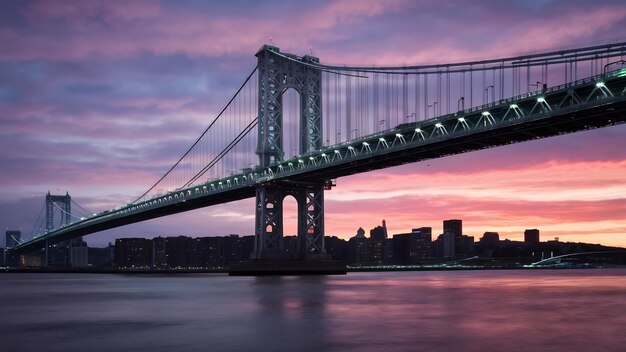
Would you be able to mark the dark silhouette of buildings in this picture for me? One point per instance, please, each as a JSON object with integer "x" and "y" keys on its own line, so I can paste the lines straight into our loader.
{"x": 336, "y": 247}
{"x": 375, "y": 250}
{"x": 455, "y": 228}
{"x": 133, "y": 253}
{"x": 101, "y": 257}
{"x": 531, "y": 236}
{"x": 379, "y": 232}
{"x": 358, "y": 249}
{"x": 412, "y": 248}
{"x": 181, "y": 252}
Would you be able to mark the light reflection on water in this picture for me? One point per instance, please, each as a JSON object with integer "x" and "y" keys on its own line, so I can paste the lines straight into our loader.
{"x": 542, "y": 310}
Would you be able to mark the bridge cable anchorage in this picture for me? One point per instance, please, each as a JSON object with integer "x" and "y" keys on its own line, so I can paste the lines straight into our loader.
{"x": 199, "y": 138}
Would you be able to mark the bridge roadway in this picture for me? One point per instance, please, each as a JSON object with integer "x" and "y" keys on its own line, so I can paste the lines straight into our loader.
{"x": 586, "y": 104}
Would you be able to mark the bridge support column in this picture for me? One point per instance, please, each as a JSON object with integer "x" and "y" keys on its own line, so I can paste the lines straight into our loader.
{"x": 311, "y": 224}
{"x": 268, "y": 241}
{"x": 269, "y": 222}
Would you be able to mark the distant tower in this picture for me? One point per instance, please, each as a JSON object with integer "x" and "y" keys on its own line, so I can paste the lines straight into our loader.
{"x": 455, "y": 227}
{"x": 64, "y": 203}
{"x": 65, "y": 253}
{"x": 379, "y": 232}
{"x": 385, "y": 228}
{"x": 531, "y": 236}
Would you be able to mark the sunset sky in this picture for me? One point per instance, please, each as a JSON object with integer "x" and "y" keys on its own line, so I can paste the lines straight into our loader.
{"x": 99, "y": 98}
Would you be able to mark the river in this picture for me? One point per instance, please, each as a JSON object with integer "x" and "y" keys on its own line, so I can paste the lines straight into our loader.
{"x": 516, "y": 310}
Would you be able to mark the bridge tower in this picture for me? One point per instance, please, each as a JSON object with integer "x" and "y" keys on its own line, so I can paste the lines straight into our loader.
{"x": 277, "y": 73}
{"x": 59, "y": 253}
{"x": 64, "y": 203}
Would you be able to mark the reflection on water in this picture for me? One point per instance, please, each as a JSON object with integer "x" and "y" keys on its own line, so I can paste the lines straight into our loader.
{"x": 574, "y": 310}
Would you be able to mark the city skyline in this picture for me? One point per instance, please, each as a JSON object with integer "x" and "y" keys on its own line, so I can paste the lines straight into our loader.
{"x": 123, "y": 84}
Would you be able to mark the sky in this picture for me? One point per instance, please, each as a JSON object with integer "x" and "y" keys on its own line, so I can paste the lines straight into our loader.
{"x": 99, "y": 98}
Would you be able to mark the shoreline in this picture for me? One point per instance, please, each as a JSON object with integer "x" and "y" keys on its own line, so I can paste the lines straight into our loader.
{"x": 225, "y": 271}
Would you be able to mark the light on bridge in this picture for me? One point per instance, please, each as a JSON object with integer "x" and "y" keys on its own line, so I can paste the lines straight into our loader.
{"x": 600, "y": 85}
{"x": 438, "y": 125}
{"x": 486, "y": 113}
{"x": 418, "y": 130}
{"x": 461, "y": 119}
{"x": 513, "y": 106}
{"x": 541, "y": 100}
{"x": 381, "y": 139}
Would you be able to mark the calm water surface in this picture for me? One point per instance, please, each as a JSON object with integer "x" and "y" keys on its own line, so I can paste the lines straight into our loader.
{"x": 562, "y": 310}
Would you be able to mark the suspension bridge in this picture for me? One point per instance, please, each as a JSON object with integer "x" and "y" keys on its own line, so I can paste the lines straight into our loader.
{"x": 295, "y": 125}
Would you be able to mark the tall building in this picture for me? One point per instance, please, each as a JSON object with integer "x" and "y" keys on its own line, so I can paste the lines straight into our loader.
{"x": 358, "y": 250}
{"x": 455, "y": 227}
{"x": 381, "y": 252}
{"x": 531, "y": 236}
{"x": 79, "y": 254}
{"x": 379, "y": 232}
{"x": 449, "y": 248}
{"x": 423, "y": 246}
{"x": 159, "y": 253}
{"x": 13, "y": 238}
{"x": 179, "y": 251}
{"x": 413, "y": 247}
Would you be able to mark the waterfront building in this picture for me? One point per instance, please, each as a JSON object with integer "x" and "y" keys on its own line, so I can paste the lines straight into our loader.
{"x": 133, "y": 253}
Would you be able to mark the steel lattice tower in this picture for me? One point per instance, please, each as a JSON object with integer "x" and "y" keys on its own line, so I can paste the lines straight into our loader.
{"x": 277, "y": 73}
